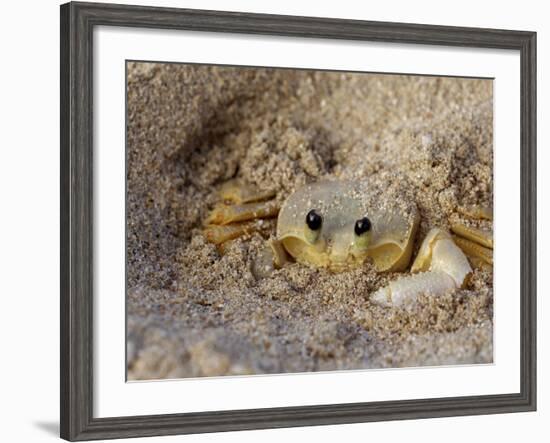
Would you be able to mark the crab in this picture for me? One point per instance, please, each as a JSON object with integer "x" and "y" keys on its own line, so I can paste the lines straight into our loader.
{"x": 340, "y": 225}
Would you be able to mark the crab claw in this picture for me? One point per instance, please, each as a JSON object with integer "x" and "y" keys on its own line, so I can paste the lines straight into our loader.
{"x": 441, "y": 267}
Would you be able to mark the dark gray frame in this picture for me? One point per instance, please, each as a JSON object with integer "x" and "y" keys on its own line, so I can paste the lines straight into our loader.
{"x": 77, "y": 23}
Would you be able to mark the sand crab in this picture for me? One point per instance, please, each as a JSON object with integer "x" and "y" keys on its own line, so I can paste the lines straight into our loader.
{"x": 341, "y": 224}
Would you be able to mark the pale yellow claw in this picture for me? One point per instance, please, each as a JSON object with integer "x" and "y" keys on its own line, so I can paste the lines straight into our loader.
{"x": 441, "y": 267}
{"x": 483, "y": 238}
{"x": 404, "y": 291}
{"x": 423, "y": 258}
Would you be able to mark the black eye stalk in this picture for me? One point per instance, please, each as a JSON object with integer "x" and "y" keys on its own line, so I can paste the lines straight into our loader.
{"x": 362, "y": 225}
{"x": 314, "y": 220}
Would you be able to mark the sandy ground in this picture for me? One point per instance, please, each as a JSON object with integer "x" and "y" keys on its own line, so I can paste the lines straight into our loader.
{"x": 193, "y": 311}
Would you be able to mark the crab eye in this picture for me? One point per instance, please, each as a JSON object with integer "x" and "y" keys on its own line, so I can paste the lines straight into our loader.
{"x": 314, "y": 220}
{"x": 362, "y": 225}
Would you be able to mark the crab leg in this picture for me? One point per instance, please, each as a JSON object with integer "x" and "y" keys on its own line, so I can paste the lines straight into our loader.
{"x": 476, "y": 243}
{"x": 218, "y": 234}
{"x": 227, "y": 222}
{"x": 237, "y": 192}
{"x": 442, "y": 267}
{"x": 474, "y": 250}
{"x": 477, "y": 212}
{"x": 480, "y": 263}
{"x": 224, "y": 214}
{"x": 483, "y": 238}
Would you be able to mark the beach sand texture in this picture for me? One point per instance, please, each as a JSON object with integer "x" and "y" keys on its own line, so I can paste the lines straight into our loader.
{"x": 194, "y": 312}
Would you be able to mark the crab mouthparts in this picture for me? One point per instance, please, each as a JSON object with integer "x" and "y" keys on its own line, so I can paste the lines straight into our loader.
{"x": 343, "y": 263}
{"x": 340, "y": 257}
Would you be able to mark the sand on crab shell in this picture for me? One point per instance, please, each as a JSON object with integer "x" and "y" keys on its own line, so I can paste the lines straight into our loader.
{"x": 195, "y": 312}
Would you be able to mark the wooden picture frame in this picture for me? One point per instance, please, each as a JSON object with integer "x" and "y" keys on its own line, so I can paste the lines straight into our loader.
{"x": 77, "y": 23}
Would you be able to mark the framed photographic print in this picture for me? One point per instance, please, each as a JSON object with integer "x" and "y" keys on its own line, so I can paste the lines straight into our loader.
{"x": 273, "y": 221}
